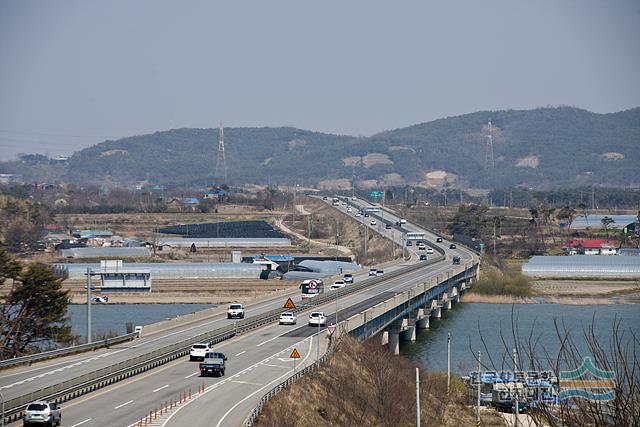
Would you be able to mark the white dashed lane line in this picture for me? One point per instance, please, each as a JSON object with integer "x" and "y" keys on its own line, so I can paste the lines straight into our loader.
{"x": 189, "y": 376}
{"x": 160, "y": 388}
{"x": 81, "y": 422}
{"x": 124, "y": 404}
{"x": 242, "y": 352}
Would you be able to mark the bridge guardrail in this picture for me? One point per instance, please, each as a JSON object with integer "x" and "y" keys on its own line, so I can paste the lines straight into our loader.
{"x": 66, "y": 350}
{"x": 89, "y": 382}
{"x": 283, "y": 385}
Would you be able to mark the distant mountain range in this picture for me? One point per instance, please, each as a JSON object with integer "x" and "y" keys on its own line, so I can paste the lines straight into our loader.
{"x": 538, "y": 148}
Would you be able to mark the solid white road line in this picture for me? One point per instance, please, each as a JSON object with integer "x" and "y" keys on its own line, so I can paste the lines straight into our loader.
{"x": 160, "y": 388}
{"x": 277, "y": 366}
{"x": 189, "y": 376}
{"x": 244, "y": 382}
{"x": 243, "y": 351}
{"x": 81, "y": 422}
{"x": 124, "y": 404}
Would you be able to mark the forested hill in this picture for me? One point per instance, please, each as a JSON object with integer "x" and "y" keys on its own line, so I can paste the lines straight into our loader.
{"x": 535, "y": 148}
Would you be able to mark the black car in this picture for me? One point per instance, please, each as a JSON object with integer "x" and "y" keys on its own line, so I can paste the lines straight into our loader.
{"x": 439, "y": 240}
{"x": 387, "y": 226}
{"x": 452, "y": 246}
{"x": 423, "y": 257}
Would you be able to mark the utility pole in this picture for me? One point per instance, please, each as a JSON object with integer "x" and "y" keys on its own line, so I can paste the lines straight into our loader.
{"x": 89, "y": 339}
{"x": 516, "y": 394}
{"x": 448, "y": 360}
{"x": 417, "y": 397}
{"x": 478, "y": 392}
{"x": 309, "y": 220}
{"x": 494, "y": 237}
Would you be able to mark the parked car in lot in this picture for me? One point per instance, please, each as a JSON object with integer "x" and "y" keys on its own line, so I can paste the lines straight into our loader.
{"x": 423, "y": 257}
{"x": 42, "y": 413}
{"x": 288, "y": 318}
{"x": 199, "y": 350}
{"x": 235, "y": 310}
{"x": 439, "y": 240}
{"x": 348, "y": 278}
{"x": 317, "y": 318}
{"x": 452, "y": 246}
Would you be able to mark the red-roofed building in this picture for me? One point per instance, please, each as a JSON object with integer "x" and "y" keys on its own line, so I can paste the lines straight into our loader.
{"x": 591, "y": 247}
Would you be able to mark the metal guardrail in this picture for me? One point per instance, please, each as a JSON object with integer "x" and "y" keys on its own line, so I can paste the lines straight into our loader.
{"x": 66, "y": 350}
{"x": 257, "y": 410}
{"x": 89, "y": 382}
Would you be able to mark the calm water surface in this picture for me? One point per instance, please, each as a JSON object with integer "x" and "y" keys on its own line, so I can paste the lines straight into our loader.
{"x": 467, "y": 322}
{"x": 113, "y": 317}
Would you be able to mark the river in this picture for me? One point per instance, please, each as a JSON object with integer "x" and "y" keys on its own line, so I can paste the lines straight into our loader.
{"x": 106, "y": 318}
{"x": 467, "y": 322}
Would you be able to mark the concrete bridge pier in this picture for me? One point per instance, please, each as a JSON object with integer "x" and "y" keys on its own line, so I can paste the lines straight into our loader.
{"x": 422, "y": 319}
{"x": 409, "y": 334}
{"x": 436, "y": 313}
{"x": 384, "y": 337}
{"x": 393, "y": 333}
{"x": 455, "y": 295}
{"x": 446, "y": 302}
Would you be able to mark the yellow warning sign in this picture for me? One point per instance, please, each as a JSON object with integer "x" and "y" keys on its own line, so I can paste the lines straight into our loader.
{"x": 294, "y": 354}
{"x": 289, "y": 304}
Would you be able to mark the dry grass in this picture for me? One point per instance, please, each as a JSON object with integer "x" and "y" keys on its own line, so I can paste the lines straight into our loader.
{"x": 365, "y": 385}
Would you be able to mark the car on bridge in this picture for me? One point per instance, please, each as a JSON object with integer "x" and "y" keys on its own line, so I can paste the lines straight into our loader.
{"x": 452, "y": 246}
{"x": 199, "y": 350}
{"x": 288, "y": 318}
{"x": 373, "y": 272}
{"x": 317, "y": 318}
{"x": 423, "y": 257}
{"x": 456, "y": 260}
{"x": 387, "y": 226}
{"x": 430, "y": 251}
{"x": 213, "y": 363}
{"x": 42, "y": 413}
{"x": 439, "y": 240}
{"x": 235, "y": 310}
{"x": 348, "y": 278}
{"x": 373, "y": 222}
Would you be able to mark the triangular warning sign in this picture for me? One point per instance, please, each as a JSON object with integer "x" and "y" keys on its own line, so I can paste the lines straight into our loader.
{"x": 289, "y": 304}
{"x": 294, "y": 354}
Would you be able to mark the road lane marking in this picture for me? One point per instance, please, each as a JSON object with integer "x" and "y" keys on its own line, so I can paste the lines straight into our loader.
{"x": 81, "y": 422}
{"x": 244, "y": 382}
{"x": 189, "y": 376}
{"x": 277, "y": 366}
{"x": 214, "y": 386}
{"x": 266, "y": 385}
{"x": 242, "y": 352}
{"x": 160, "y": 388}
{"x": 124, "y": 404}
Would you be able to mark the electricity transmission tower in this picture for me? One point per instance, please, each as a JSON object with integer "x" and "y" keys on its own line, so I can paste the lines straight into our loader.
{"x": 489, "y": 160}
{"x": 221, "y": 163}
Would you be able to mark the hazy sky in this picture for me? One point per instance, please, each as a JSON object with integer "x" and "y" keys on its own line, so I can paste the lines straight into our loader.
{"x": 73, "y": 73}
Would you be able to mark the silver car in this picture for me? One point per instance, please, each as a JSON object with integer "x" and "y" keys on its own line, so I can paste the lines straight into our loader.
{"x": 42, "y": 413}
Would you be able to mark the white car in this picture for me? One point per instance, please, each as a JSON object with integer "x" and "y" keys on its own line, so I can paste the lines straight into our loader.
{"x": 42, "y": 413}
{"x": 429, "y": 250}
{"x": 288, "y": 318}
{"x": 235, "y": 310}
{"x": 199, "y": 350}
{"x": 373, "y": 222}
{"x": 349, "y": 210}
{"x": 317, "y": 318}
{"x": 358, "y": 214}
{"x": 403, "y": 221}
{"x": 348, "y": 278}
{"x": 337, "y": 285}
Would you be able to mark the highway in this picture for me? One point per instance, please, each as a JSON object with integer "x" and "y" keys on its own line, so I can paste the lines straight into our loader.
{"x": 257, "y": 361}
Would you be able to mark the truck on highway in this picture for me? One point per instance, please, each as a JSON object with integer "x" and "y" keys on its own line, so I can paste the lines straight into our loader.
{"x": 311, "y": 288}
{"x": 213, "y": 363}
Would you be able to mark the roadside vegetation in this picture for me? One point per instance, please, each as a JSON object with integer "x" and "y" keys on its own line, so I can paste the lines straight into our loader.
{"x": 33, "y": 311}
{"x": 503, "y": 280}
{"x": 363, "y": 384}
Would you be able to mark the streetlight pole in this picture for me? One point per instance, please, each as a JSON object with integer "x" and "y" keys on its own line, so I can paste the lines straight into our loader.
{"x": 448, "y": 360}
{"x": 515, "y": 370}
{"x": 417, "y": 397}
{"x": 89, "y": 339}
{"x": 478, "y": 392}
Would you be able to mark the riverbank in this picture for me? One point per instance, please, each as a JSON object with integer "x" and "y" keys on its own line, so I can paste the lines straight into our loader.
{"x": 568, "y": 292}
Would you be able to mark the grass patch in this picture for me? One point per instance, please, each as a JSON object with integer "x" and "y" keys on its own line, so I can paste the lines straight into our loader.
{"x": 507, "y": 280}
